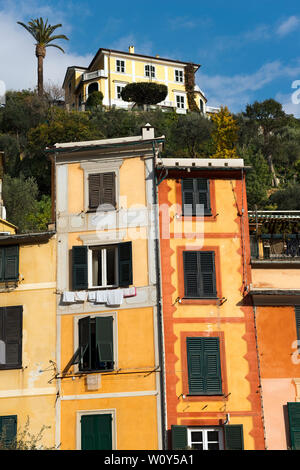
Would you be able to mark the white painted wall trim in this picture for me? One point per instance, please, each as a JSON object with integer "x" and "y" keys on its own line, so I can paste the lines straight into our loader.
{"x": 81, "y": 413}
{"x": 28, "y": 392}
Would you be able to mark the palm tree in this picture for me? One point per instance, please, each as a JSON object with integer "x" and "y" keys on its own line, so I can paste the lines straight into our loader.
{"x": 42, "y": 33}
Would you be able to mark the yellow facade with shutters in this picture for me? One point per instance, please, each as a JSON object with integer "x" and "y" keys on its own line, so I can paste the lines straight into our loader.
{"x": 110, "y": 71}
{"x": 28, "y": 337}
{"x": 126, "y": 389}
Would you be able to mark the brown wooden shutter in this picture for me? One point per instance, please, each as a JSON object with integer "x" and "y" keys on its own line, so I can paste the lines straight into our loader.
{"x": 94, "y": 191}
{"x": 108, "y": 189}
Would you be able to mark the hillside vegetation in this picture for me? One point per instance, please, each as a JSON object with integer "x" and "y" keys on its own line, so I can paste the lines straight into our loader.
{"x": 264, "y": 136}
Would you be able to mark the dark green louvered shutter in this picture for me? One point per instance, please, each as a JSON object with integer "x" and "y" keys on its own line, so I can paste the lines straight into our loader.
{"x": 96, "y": 432}
{"x": 2, "y": 257}
{"x": 84, "y": 326}
{"x": 104, "y": 341}
{"x": 208, "y": 277}
{"x": 80, "y": 267}
{"x": 294, "y": 421}
{"x": 195, "y": 191}
{"x": 8, "y": 429}
{"x": 234, "y": 439}
{"x": 11, "y": 263}
{"x": 199, "y": 274}
{"x": 179, "y": 437}
{"x": 191, "y": 274}
{"x": 204, "y": 366}
{"x": 297, "y": 316}
{"x": 125, "y": 264}
{"x": 11, "y": 337}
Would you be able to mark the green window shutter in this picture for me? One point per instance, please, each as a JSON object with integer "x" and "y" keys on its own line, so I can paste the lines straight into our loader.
{"x": 204, "y": 366}
{"x": 212, "y": 366}
{"x": 191, "y": 274}
{"x": 125, "y": 264}
{"x": 104, "y": 341}
{"x": 234, "y": 439}
{"x": 208, "y": 276}
{"x": 297, "y": 315}
{"x": 2, "y": 257}
{"x": 80, "y": 267}
{"x": 195, "y": 360}
{"x": 179, "y": 437}
{"x": 11, "y": 336}
{"x": 195, "y": 191}
{"x": 84, "y": 326}
{"x": 294, "y": 422}
{"x": 8, "y": 429}
{"x": 11, "y": 263}
{"x": 96, "y": 432}
{"x": 199, "y": 274}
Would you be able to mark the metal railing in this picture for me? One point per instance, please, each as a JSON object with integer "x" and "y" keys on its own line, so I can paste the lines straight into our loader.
{"x": 275, "y": 246}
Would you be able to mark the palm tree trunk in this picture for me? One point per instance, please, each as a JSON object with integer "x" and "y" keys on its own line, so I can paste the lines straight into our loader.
{"x": 40, "y": 52}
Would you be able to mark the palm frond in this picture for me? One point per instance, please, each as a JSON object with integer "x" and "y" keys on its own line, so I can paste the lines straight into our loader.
{"x": 55, "y": 45}
{"x": 58, "y": 36}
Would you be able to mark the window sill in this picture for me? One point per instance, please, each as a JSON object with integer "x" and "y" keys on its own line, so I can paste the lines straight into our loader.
{"x": 200, "y": 301}
{"x": 218, "y": 397}
{"x": 86, "y": 372}
{"x": 2, "y": 367}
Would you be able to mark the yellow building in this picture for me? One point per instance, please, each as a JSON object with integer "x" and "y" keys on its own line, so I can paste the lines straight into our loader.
{"x": 110, "y": 71}
{"x": 27, "y": 333}
{"x": 107, "y": 317}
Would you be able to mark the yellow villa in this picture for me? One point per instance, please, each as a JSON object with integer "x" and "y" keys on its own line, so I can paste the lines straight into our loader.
{"x": 110, "y": 71}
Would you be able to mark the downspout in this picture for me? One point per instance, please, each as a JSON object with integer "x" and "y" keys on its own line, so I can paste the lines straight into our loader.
{"x": 159, "y": 305}
{"x": 109, "y": 85}
{"x": 259, "y": 378}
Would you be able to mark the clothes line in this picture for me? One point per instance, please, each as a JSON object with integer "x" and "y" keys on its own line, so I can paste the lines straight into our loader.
{"x": 108, "y": 296}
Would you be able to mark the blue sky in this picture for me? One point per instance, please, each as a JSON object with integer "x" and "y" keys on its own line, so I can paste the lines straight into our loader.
{"x": 248, "y": 51}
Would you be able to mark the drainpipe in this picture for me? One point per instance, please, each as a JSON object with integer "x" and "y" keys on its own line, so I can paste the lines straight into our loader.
{"x": 159, "y": 307}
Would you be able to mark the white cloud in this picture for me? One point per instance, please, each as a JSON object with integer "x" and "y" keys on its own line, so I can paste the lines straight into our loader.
{"x": 288, "y": 26}
{"x": 17, "y": 48}
{"x": 239, "y": 90}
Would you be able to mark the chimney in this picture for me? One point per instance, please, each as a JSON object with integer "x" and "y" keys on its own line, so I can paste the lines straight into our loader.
{"x": 147, "y": 132}
{"x": 131, "y": 49}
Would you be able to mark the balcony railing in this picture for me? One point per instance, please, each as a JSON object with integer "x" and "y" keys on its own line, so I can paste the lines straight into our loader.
{"x": 95, "y": 74}
{"x": 275, "y": 247}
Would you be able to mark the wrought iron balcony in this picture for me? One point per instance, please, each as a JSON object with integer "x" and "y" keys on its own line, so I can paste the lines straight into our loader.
{"x": 285, "y": 247}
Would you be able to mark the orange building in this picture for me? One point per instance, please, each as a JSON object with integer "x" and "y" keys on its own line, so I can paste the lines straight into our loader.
{"x": 211, "y": 368}
{"x": 276, "y": 297}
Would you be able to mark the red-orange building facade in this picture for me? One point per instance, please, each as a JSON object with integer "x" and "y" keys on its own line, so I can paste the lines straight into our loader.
{"x": 212, "y": 383}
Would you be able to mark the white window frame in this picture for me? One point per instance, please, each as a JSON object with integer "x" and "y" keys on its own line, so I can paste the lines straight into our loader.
{"x": 121, "y": 65}
{"x": 152, "y": 71}
{"x": 115, "y": 337}
{"x": 81, "y": 413}
{"x": 180, "y": 74}
{"x": 103, "y": 267}
{"x": 205, "y": 441}
{"x": 120, "y": 85}
{"x": 182, "y": 101}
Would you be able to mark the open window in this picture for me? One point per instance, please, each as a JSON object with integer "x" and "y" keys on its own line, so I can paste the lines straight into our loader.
{"x": 95, "y": 352}
{"x": 102, "y": 266}
{"x": 228, "y": 437}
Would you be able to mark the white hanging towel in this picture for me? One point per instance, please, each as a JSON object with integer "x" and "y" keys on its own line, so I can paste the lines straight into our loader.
{"x": 115, "y": 297}
{"x": 80, "y": 296}
{"x": 68, "y": 297}
{"x": 129, "y": 292}
{"x": 92, "y": 296}
{"x": 101, "y": 296}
